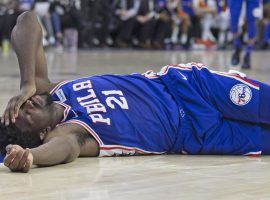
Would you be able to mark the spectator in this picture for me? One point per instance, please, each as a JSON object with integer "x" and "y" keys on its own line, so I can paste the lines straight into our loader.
{"x": 163, "y": 26}
{"x": 42, "y": 9}
{"x": 195, "y": 28}
{"x": 145, "y": 23}
{"x": 26, "y": 5}
{"x": 102, "y": 12}
{"x": 57, "y": 10}
{"x": 71, "y": 25}
{"x": 181, "y": 24}
{"x": 126, "y": 11}
{"x": 8, "y": 16}
{"x": 222, "y": 23}
{"x": 207, "y": 11}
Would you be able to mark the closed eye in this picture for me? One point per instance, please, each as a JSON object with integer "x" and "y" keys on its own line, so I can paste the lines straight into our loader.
{"x": 28, "y": 118}
{"x": 34, "y": 103}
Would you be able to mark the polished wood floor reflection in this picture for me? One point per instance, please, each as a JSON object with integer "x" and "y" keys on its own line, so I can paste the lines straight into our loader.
{"x": 144, "y": 177}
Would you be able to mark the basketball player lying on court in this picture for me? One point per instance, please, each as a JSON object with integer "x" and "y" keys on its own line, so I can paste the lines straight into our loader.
{"x": 183, "y": 109}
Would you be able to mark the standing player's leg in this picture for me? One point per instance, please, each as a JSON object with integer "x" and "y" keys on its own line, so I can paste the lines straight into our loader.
{"x": 266, "y": 23}
{"x": 235, "y": 11}
{"x": 253, "y": 13}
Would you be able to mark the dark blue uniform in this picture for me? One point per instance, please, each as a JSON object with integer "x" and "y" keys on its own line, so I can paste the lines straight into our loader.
{"x": 181, "y": 109}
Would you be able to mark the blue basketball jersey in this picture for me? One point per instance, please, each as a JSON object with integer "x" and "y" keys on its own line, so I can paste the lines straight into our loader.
{"x": 126, "y": 114}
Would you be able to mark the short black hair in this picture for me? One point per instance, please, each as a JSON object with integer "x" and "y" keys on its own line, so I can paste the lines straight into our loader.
{"x": 12, "y": 135}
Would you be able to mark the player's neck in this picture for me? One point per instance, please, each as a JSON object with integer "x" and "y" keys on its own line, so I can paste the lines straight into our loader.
{"x": 58, "y": 114}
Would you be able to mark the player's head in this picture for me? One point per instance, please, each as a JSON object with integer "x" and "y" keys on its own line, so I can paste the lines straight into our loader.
{"x": 36, "y": 114}
{"x": 33, "y": 122}
{"x": 12, "y": 135}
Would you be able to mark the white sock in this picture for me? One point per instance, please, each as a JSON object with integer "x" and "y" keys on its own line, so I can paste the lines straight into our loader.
{"x": 184, "y": 38}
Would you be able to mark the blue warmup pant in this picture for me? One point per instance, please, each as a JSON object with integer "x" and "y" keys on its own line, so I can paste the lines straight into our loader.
{"x": 222, "y": 113}
{"x": 235, "y": 7}
{"x": 266, "y": 35}
{"x": 56, "y": 22}
{"x": 1, "y": 158}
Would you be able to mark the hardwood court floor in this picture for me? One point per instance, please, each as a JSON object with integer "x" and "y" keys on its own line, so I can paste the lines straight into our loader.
{"x": 146, "y": 177}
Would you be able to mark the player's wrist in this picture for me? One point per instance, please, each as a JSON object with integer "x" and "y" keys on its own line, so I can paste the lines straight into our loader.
{"x": 28, "y": 90}
{"x": 28, "y": 85}
{"x": 33, "y": 157}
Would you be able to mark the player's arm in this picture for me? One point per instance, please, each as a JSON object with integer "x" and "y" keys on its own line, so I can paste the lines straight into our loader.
{"x": 26, "y": 40}
{"x": 61, "y": 147}
{"x": 64, "y": 144}
{"x": 57, "y": 151}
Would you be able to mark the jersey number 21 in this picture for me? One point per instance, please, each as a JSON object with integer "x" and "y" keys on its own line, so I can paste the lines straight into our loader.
{"x": 115, "y": 97}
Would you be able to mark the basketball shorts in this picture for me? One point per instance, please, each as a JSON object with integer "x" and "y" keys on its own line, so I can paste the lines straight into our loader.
{"x": 222, "y": 113}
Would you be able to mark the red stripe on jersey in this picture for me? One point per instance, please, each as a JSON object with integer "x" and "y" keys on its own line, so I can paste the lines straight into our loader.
{"x": 58, "y": 86}
{"x": 238, "y": 77}
{"x": 255, "y": 154}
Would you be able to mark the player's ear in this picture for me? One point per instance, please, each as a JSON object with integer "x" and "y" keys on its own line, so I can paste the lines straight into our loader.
{"x": 44, "y": 132}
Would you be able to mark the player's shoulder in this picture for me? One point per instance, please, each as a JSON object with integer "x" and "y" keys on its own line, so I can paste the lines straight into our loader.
{"x": 55, "y": 86}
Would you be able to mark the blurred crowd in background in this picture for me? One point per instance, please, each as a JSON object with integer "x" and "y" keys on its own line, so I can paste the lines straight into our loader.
{"x": 144, "y": 24}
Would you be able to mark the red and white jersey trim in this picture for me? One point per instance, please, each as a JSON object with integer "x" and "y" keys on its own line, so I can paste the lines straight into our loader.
{"x": 66, "y": 111}
{"x": 58, "y": 86}
{"x": 150, "y": 74}
{"x": 239, "y": 78}
{"x": 200, "y": 66}
{"x": 118, "y": 150}
{"x": 188, "y": 66}
{"x": 253, "y": 153}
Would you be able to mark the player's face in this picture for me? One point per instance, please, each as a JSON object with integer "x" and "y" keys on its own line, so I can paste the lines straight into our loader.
{"x": 35, "y": 114}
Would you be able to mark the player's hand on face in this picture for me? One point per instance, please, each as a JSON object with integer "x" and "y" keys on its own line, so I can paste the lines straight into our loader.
{"x": 12, "y": 109}
{"x": 18, "y": 159}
